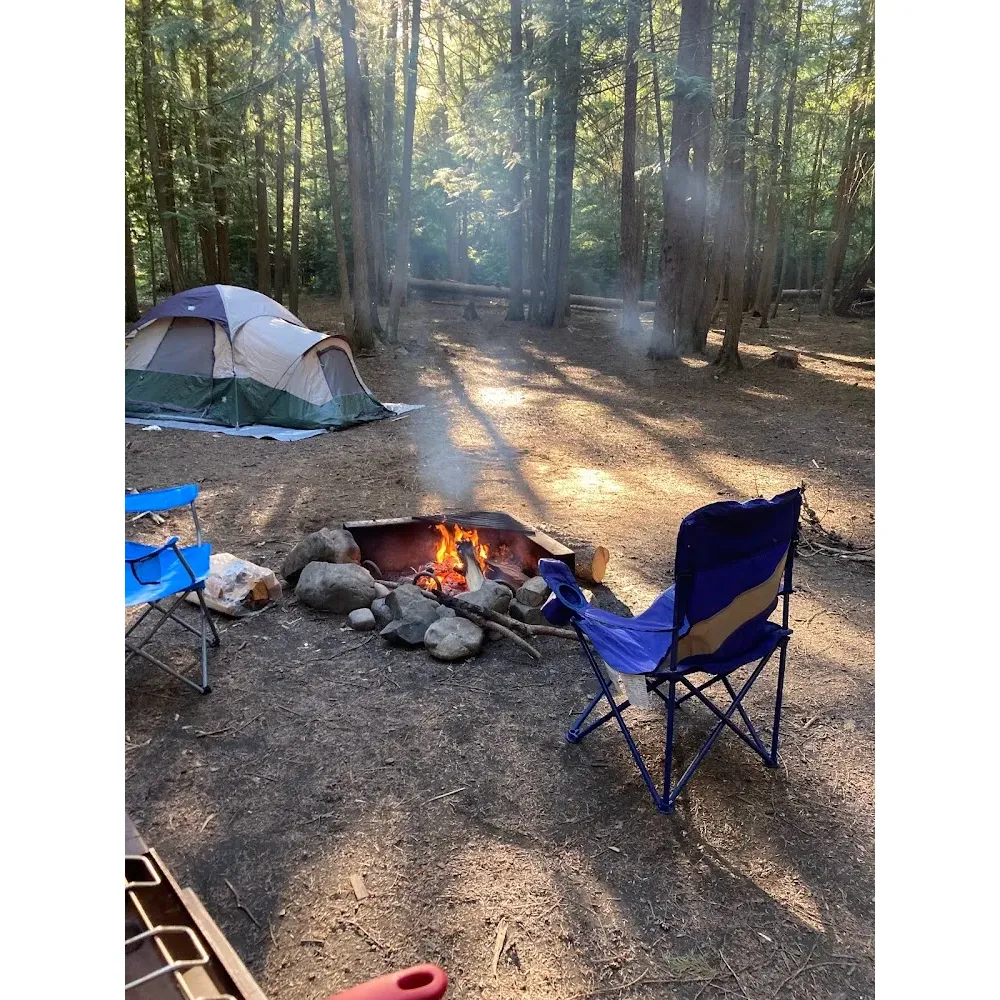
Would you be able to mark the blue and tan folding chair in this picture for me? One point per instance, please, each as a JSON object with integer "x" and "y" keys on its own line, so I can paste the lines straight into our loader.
{"x": 155, "y": 573}
{"x": 734, "y": 562}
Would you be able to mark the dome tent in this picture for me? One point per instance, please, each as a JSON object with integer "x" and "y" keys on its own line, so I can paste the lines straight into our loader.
{"x": 234, "y": 357}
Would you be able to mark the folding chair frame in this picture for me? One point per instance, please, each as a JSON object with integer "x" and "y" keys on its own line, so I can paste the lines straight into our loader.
{"x": 134, "y": 649}
{"x": 673, "y": 677}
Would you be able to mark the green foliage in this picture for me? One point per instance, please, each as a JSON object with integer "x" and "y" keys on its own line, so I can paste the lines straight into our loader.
{"x": 461, "y": 170}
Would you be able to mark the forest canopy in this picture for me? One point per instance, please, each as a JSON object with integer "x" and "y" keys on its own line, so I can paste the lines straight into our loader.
{"x": 673, "y": 150}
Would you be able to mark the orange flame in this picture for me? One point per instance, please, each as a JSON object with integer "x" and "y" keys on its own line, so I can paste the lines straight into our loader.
{"x": 447, "y": 551}
{"x": 449, "y": 566}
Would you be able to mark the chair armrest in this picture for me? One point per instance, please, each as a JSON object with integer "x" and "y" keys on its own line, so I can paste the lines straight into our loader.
{"x": 134, "y": 564}
{"x": 166, "y": 499}
{"x": 170, "y": 543}
{"x": 567, "y": 600}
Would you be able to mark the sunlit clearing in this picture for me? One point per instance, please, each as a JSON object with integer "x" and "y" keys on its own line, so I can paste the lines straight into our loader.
{"x": 498, "y": 396}
{"x": 594, "y": 479}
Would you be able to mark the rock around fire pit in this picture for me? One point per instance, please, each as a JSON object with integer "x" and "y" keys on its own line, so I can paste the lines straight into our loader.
{"x": 435, "y": 581}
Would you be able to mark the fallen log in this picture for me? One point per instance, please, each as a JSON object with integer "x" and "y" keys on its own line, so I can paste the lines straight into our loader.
{"x": 864, "y": 294}
{"x": 500, "y": 292}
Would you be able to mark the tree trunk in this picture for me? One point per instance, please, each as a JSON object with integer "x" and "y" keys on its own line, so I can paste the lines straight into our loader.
{"x": 441, "y": 128}
{"x": 206, "y": 204}
{"x": 388, "y": 150}
{"x": 220, "y": 194}
{"x": 629, "y": 231}
{"x": 540, "y": 212}
{"x": 331, "y": 170}
{"x": 131, "y": 293}
{"x": 715, "y": 269}
{"x": 376, "y": 245}
{"x": 661, "y": 142}
{"x": 863, "y": 273}
{"x": 260, "y": 176}
{"x": 515, "y": 219}
{"x": 366, "y": 321}
{"x": 531, "y": 194}
{"x": 279, "y": 172}
{"x": 729, "y": 356}
{"x": 817, "y": 170}
{"x": 159, "y": 157}
{"x": 852, "y": 167}
{"x": 294, "y": 278}
{"x": 786, "y": 175}
{"x": 695, "y": 282}
{"x": 567, "y": 106}
{"x": 673, "y": 332}
{"x": 753, "y": 175}
{"x": 401, "y": 268}
{"x": 765, "y": 281}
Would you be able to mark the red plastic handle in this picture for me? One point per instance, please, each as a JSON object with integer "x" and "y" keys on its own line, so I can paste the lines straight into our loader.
{"x": 421, "y": 982}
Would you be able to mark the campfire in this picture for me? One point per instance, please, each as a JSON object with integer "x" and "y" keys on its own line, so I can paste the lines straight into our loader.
{"x": 441, "y": 581}
{"x": 463, "y": 561}
{"x": 454, "y": 553}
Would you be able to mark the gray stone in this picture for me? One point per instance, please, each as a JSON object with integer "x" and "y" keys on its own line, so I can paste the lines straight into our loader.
{"x": 361, "y": 620}
{"x": 405, "y": 597}
{"x": 406, "y": 632}
{"x": 444, "y": 611}
{"x": 381, "y": 613}
{"x": 533, "y": 592}
{"x": 453, "y": 639}
{"x": 381, "y": 589}
{"x": 526, "y": 613}
{"x": 328, "y": 545}
{"x": 491, "y": 595}
{"x": 412, "y": 612}
{"x": 339, "y": 587}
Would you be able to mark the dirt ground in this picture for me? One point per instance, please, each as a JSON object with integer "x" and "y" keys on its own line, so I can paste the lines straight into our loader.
{"x": 317, "y": 757}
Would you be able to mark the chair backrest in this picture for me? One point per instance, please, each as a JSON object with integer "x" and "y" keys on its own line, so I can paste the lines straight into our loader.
{"x": 165, "y": 499}
{"x": 733, "y": 562}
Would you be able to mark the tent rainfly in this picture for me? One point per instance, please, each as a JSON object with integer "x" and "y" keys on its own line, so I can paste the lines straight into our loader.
{"x": 234, "y": 357}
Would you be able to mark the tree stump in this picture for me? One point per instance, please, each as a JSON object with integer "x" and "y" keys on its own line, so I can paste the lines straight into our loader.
{"x": 785, "y": 359}
{"x": 469, "y": 312}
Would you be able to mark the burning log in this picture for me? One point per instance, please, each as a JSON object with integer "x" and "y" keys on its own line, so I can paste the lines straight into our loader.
{"x": 470, "y": 565}
{"x": 504, "y": 574}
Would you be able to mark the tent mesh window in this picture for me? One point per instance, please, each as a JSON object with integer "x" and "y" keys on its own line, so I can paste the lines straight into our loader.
{"x": 339, "y": 373}
{"x": 187, "y": 348}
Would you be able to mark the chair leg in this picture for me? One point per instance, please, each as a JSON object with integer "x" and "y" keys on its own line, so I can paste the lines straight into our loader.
{"x": 138, "y": 651}
{"x": 668, "y": 753}
{"x": 574, "y": 733}
{"x": 616, "y": 713}
{"x": 208, "y": 618}
{"x": 772, "y": 761}
{"x": 206, "y": 624}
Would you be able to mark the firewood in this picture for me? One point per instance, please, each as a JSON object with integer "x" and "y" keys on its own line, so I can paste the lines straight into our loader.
{"x": 591, "y": 562}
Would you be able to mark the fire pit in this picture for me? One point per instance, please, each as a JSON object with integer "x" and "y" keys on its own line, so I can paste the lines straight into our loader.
{"x": 438, "y": 581}
{"x": 453, "y": 552}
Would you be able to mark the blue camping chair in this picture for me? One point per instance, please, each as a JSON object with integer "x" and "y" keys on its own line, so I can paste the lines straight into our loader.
{"x": 155, "y": 573}
{"x": 733, "y": 563}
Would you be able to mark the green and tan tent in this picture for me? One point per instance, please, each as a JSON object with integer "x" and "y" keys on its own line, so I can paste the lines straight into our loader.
{"x": 234, "y": 357}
